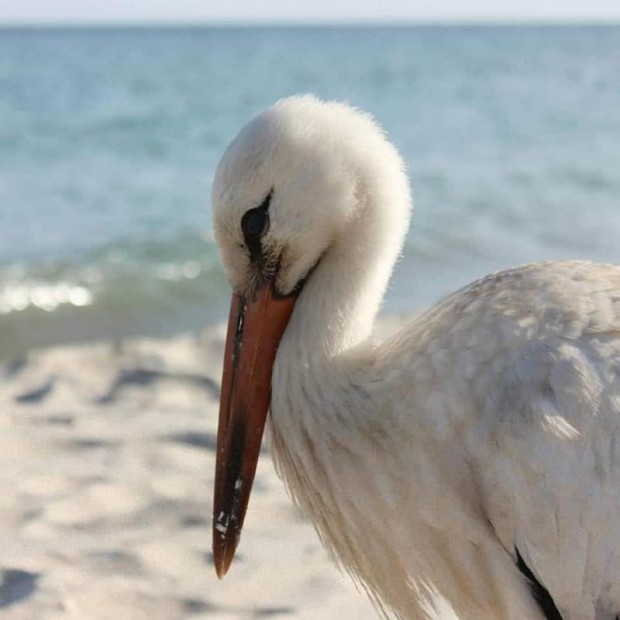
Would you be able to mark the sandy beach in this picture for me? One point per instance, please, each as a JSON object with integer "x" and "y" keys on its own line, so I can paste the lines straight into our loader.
{"x": 107, "y": 457}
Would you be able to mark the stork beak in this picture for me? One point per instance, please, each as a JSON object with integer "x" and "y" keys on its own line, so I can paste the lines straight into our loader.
{"x": 255, "y": 328}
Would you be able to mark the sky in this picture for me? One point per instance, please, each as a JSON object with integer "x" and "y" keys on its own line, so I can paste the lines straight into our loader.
{"x": 214, "y": 11}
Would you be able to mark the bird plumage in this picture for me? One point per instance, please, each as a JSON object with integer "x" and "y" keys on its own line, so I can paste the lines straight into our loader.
{"x": 488, "y": 425}
{"x": 482, "y": 437}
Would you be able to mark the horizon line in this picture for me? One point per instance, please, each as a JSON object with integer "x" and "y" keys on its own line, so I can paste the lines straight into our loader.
{"x": 481, "y": 21}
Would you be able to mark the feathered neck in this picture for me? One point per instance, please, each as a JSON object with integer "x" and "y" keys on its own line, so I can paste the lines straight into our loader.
{"x": 340, "y": 301}
{"x": 317, "y": 385}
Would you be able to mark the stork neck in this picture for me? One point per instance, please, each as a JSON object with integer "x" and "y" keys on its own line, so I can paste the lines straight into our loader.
{"x": 339, "y": 303}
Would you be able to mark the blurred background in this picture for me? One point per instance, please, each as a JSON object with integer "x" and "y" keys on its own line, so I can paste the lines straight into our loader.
{"x": 113, "y": 117}
{"x": 109, "y": 138}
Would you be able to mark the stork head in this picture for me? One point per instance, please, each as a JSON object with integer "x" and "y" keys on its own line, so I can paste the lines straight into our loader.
{"x": 285, "y": 191}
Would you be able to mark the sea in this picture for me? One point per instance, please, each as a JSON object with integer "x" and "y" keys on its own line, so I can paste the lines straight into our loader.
{"x": 109, "y": 139}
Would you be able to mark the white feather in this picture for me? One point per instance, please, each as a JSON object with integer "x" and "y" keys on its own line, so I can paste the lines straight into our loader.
{"x": 490, "y": 424}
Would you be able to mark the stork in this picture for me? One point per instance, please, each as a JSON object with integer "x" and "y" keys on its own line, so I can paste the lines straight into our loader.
{"x": 475, "y": 455}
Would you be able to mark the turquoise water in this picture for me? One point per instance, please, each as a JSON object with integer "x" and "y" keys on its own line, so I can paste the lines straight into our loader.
{"x": 109, "y": 139}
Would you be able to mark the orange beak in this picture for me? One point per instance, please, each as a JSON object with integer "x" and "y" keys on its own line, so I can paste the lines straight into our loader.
{"x": 255, "y": 328}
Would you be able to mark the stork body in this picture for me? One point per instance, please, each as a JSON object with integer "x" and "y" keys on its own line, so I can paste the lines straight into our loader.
{"x": 475, "y": 455}
{"x": 487, "y": 427}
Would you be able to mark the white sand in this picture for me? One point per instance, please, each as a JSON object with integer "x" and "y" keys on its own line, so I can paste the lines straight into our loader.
{"x": 106, "y": 465}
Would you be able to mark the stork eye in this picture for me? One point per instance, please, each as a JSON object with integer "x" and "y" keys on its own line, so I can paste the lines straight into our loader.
{"x": 255, "y": 222}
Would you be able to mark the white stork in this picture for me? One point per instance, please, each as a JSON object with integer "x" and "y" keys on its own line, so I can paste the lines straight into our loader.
{"x": 474, "y": 456}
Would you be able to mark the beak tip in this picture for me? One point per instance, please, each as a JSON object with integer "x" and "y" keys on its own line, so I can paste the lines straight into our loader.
{"x": 222, "y": 558}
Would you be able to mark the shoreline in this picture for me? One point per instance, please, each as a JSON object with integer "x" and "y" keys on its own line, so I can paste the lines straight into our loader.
{"x": 20, "y": 341}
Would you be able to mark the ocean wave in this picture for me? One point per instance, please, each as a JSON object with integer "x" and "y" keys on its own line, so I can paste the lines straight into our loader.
{"x": 89, "y": 285}
{"x": 113, "y": 291}
{"x": 17, "y": 297}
